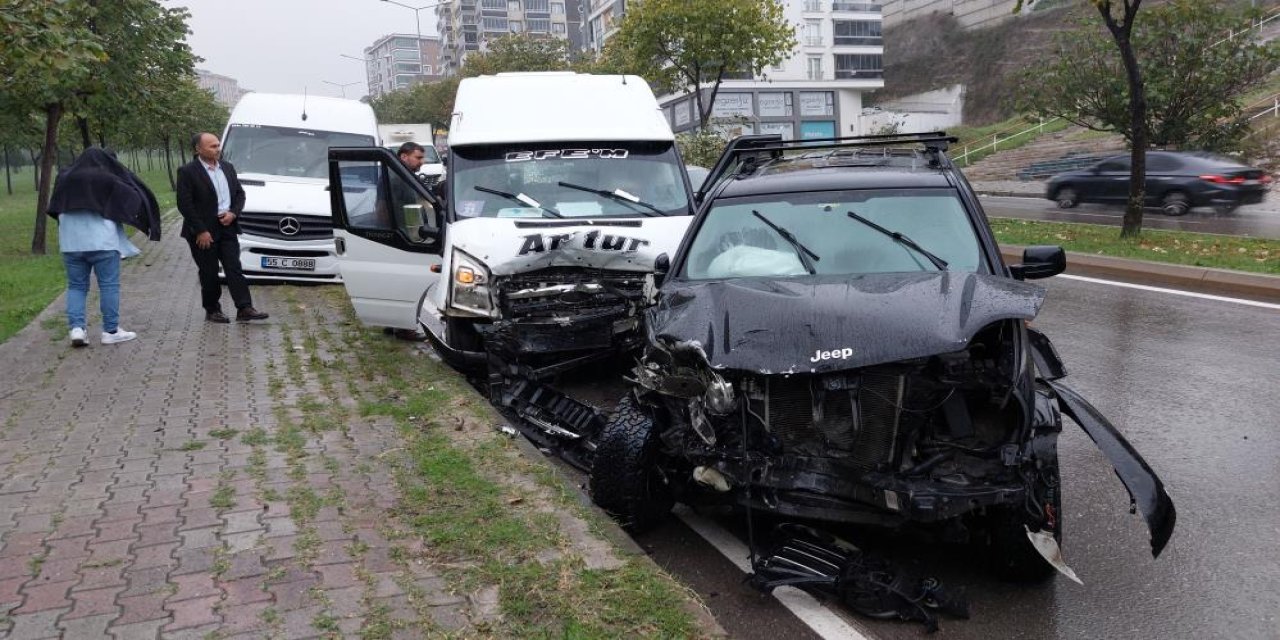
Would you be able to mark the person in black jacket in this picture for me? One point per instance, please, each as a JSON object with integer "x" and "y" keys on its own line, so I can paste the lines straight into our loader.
{"x": 210, "y": 200}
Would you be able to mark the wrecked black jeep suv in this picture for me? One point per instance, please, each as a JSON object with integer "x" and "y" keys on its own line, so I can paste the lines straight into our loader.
{"x": 838, "y": 339}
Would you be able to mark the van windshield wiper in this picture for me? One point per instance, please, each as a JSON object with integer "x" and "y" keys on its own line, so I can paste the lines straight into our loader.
{"x": 902, "y": 240}
{"x": 807, "y": 257}
{"x": 618, "y": 195}
{"x": 521, "y": 198}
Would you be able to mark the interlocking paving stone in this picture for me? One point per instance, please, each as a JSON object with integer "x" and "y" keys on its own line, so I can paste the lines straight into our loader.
{"x": 111, "y": 522}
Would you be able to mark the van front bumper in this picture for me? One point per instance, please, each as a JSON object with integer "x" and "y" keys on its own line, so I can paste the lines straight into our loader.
{"x": 253, "y": 250}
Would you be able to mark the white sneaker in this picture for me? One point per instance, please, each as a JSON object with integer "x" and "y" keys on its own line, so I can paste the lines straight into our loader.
{"x": 78, "y": 337}
{"x": 119, "y": 336}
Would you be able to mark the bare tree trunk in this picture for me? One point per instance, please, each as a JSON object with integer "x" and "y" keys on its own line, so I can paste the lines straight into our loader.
{"x": 84, "y": 131}
{"x": 35, "y": 170}
{"x": 8, "y": 180}
{"x": 148, "y": 159}
{"x": 168, "y": 163}
{"x": 1132, "y": 225}
{"x": 53, "y": 115}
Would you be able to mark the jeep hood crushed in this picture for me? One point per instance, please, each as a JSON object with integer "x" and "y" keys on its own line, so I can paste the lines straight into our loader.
{"x": 771, "y": 326}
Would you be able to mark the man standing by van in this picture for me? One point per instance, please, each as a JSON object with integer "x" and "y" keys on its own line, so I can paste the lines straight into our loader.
{"x": 210, "y": 199}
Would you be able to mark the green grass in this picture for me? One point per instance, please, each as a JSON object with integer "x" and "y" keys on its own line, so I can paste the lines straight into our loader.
{"x": 29, "y": 282}
{"x": 455, "y": 498}
{"x": 1176, "y": 247}
{"x": 976, "y": 137}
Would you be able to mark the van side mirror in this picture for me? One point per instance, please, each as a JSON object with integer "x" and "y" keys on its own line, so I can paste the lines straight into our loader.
{"x": 1041, "y": 261}
{"x": 661, "y": 266}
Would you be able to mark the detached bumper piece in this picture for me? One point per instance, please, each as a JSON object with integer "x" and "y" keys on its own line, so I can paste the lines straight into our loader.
{"x": 1146, "y": 491}
{"x": 552, "y": 420}
{"x": 826, "y": 566}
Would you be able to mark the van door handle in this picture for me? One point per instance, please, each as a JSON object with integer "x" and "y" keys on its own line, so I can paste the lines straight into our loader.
{"x": 340, "y": 246}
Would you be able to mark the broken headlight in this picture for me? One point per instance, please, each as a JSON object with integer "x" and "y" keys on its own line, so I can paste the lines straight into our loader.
{"x": 469, "y": 285}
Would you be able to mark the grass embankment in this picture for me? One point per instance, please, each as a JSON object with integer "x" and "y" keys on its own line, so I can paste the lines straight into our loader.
{"x": 489, "y": 515}
{"x": 975, "y": 137}
{"x": 1177, "y": 247}
{"x": 28, "y": 282}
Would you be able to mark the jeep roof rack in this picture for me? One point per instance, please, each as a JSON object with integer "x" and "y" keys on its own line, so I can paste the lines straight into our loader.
{"x": 745, "y": 149}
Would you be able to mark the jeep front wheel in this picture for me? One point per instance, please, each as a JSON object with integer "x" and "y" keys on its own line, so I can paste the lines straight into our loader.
{"x": 624, "y": 480}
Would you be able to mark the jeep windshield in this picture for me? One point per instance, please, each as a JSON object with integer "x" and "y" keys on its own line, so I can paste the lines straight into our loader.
{"x": 735, "y": 240}
{"x": 648, "y": 176}
{"x": 285, "y": 151}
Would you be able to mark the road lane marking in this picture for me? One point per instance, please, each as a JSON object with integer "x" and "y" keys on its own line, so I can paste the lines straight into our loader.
{"x": 1176, "y": 292}
{"x": 822, "y": 620}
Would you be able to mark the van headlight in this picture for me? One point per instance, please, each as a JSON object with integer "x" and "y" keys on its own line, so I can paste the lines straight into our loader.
{"x": 470, "y": 285}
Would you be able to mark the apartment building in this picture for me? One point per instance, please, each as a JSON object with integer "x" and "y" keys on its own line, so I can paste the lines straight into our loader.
{"x": 400, "y": 60}
{"x": 225, "y": 89}
{"x": 817, "y": 92}
{"x": 466, "y": 25}
{"x": 600, "y": 21}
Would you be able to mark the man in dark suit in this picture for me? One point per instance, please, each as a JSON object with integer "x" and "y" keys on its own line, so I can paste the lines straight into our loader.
{"x": 210, "y": 200}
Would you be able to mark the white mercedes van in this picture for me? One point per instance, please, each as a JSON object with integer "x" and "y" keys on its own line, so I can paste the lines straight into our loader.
{"x": 279, "y": 144}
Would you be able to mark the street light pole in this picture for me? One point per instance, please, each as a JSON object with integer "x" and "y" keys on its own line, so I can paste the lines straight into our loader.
{"x": 341, "y": 85}
{"x": 417, "y": 18}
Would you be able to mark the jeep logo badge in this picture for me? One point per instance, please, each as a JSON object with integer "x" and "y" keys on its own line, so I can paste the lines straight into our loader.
{"x": 834, "y": 354}
{"x": 290, "y": 226}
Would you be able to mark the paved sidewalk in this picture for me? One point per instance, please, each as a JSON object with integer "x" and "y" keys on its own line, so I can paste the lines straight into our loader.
{"x": 161, "y": 488}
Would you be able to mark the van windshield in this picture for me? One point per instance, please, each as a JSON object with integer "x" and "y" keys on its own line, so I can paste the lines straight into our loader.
{"x": 285, "y": 151}
{"x": 606, "y": 179}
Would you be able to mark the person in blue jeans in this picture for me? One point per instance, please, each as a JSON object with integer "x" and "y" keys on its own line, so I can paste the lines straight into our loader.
{"x": 92, "y": 201}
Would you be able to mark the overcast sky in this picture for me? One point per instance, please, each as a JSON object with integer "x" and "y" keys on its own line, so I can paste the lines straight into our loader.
{"x": 285, "y": 45}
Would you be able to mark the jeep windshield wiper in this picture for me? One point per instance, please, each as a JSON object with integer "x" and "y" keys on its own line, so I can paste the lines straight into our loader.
{"x": 902, "y": 240}
{"x": 618, "y": 195}
{"x": 807, "y": 257}
{"x": 521, "y": 198}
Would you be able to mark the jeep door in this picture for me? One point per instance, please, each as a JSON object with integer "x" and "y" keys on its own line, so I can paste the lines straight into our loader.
{"x": 387, "y": 232}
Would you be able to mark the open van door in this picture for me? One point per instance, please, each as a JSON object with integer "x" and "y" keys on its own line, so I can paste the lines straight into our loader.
{"x": 387, "y": 232}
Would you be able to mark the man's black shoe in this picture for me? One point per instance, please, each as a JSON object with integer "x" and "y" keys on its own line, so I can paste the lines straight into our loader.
{"x": 249, "y": 313}
{"x": 217, "y": 316}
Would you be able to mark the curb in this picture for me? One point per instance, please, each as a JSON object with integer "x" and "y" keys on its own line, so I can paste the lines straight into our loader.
{"x": 1011, "y": 194}
{"x": 1255, "y": 286}
{"x": 612, "y": 532}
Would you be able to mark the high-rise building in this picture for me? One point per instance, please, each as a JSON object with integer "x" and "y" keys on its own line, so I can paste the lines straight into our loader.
{"x": 600, "y": 20}
{"x": 225, "y": 89}
{"x": 466, "y": 25}
{"x": 816, "y": 92}
{"x": 400, "y": 60}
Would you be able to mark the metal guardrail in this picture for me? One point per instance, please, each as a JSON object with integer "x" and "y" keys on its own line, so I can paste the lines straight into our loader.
{"x": 1274, "y": 109}
{"x": 994, "y": 145}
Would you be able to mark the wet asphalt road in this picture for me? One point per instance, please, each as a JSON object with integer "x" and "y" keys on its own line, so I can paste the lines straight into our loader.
{"x": 1261, "y": 221}
{"x": 1195, "y": 386}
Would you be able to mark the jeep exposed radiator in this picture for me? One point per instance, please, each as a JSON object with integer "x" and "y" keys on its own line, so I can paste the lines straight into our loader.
{"x": 859, "y": 423}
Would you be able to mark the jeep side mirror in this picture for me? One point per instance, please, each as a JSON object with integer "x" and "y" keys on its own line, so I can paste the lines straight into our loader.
{"x": 661, "y": 265}
{"x": 1041, "y": 261}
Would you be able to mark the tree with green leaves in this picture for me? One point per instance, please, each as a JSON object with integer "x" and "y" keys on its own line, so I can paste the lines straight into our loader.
{"x": 48, "y": 53}
{"x": 1119, "y": 17}
{"x": 1193, "y": 101}
{"x": 147, "y": 57}
{"x": 692, "y": 46}
{"x": 519, "y": 52}
{"x": 430, "y": 102}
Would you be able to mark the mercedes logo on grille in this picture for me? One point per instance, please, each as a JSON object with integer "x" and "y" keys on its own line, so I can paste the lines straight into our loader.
{"x": 290, "y": 226}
